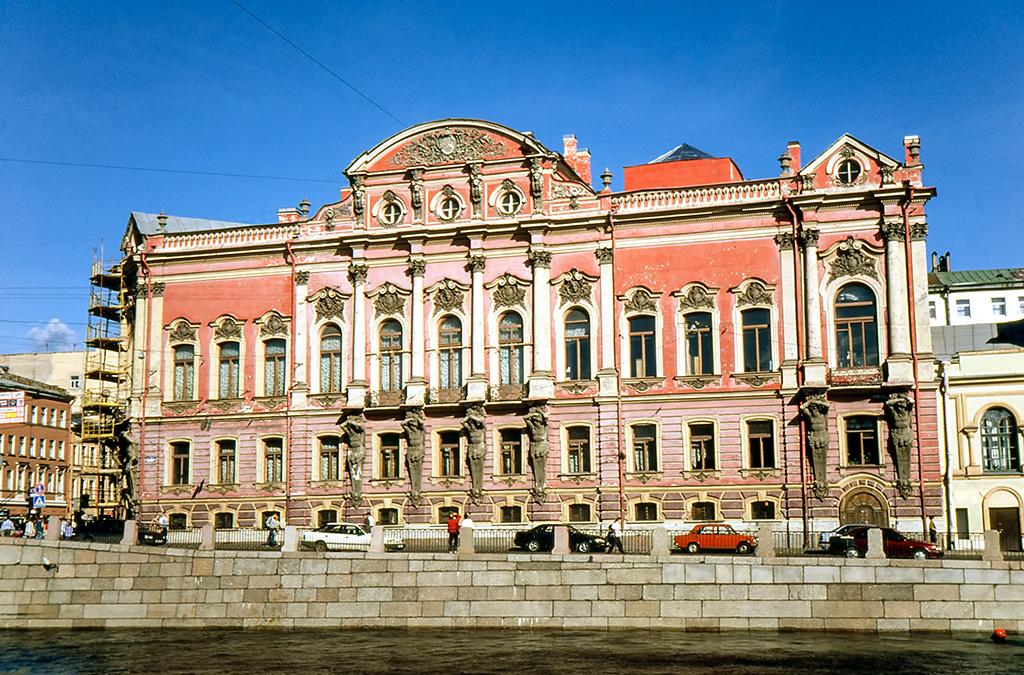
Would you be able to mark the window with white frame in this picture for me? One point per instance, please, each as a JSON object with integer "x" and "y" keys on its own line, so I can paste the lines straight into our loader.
{"x": 390, "y": 455}
{"x": 273, "y": 459}
{"x": 757, "y": 340}
{"x": 645, "y": 447}
{"x": 184, "y": 372}
{"x": 391, "y": 355}
{"x": 226, "y": 458}
{"x": 274, "y": 368}
{"x": 699, "y": 343}
{"x": 761, "y": 444}
{"x": 998, "y": 306}
{"x": 577, "y": 345}
{"x": 511, "y": 451}
{"x": 932, "y": 310}
{"x": 181, "y": 460}
{"x": 999, "y": 448}
{"x": 856, "y": 326}
{"x": 577, "y": 452}
{"x": 702, "y": 446}
{"x": 330, "y": 458}
{"x": 449, "y": 353}
{"x": 449, "y": 449}
{"x": 643, "y": 357}
{"x": 963, "y": 308}
{"x": 862, "y": 446}
{"x": 229, "y": 360}
{"x": 330, "y": 359}
{"x": 510, "y": 348}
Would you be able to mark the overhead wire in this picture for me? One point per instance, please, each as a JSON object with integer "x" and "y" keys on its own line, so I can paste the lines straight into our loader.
{"x": 160, "y": 170}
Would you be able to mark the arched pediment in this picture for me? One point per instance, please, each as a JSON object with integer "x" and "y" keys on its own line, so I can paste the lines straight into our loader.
{"x": 450, "y": 141}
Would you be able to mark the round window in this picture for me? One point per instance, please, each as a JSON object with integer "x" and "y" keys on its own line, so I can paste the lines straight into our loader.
{"x": 848, "y": 171}
{"x": 509, "y": 203}
{"x": 449, "y": 208}
{"x": 391, "y": 214}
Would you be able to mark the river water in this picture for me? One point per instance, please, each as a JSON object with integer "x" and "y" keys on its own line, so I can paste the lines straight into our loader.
{"x": 497, "y": 652}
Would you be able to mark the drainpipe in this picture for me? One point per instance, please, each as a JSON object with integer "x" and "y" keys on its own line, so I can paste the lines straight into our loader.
{"x": 620, "y": 455}
{"x": 288, "y": 396}
{"x": 905, "y": 208}
{"x": 947, "y": 475}
{"x": 145, "y": 374}
{"x": 797, "y": 289}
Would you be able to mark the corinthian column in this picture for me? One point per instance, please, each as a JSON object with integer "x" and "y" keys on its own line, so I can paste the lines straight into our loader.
{"x": 476, "y": 384}
{"x": 542, "y": 380}
{"x": 898, "y": 366}
{"x": 416, "y": 387}
{"x": 357, "y": 387}
{"x": 787, "y": 273}
{"x": 814, "y": 364}
{"x": 606, "y": 377}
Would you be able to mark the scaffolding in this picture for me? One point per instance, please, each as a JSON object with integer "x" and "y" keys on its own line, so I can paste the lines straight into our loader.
{"x": 101, "y": 472}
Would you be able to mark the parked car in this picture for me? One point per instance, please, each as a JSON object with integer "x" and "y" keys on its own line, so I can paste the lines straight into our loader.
{"x": 896, "y": 545}
{"x": 542, "y": 538}
{"x": 841, "y": 531}
{"x": 345, "y": 537}
{"x": 716, "y": 537}
{"x": 152, "y": 534}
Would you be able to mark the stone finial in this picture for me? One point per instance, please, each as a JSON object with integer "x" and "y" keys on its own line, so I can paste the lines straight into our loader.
{"x": 606, "y": 180}
{"x": 304, "y": 206}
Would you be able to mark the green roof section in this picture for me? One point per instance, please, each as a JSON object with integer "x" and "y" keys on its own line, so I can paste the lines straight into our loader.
{"x": 976, "y": 277}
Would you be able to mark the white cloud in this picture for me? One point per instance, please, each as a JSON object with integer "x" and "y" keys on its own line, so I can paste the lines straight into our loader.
{"x": 54, "y": 336}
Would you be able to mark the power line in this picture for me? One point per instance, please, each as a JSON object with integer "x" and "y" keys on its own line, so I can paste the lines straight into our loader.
{"x": 314, "y": 60}
{"x": 156, "y": 170}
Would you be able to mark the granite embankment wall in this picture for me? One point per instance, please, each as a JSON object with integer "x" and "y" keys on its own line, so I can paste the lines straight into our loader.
{"x": 107, "y": 586}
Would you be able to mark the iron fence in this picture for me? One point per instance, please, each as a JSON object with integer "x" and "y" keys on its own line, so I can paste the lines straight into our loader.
{"x": 188, "y": 537}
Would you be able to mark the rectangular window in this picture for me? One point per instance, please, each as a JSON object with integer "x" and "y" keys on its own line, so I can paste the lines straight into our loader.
{"x": 274, "y": 375}
{"x": 998, "y": 306}
{"x": 702, "y": 511}
{"x": 1020, "y": 305}
{"x": 180, "y": 463}
{"x": 762, "y": 510}
{"x": 387, "y": 516}
{"x": 184, "y": 375}
{"x": 702, "y": 446}
{"x": 862, "y": 441}
{"x": 511, "y": 514}
{"x": 226, "y": 462}
{"x": 932, "y": 312}
{"x": 963, "y": 524}
{"x": 230, "y": 355}
{"x": 450, "y": 455}
{"x": 223, "y": 520}
{"x": 700, "y": 359}
{"x": 646, "y": 511}
{"x": 642, "y": 355}
{"x": 761, "y": 443}
{"x": 273, "y": 458}
{"x": 963, "y": 308}
{"x": 579, "y": 513}
{"x": 645, "y": 448}
{"x": 578, "y": 452}
{"x": 389, "y": 455}
{"x": 330, "y": 458}
{"x": 757, "y": 341}
{"x": 326, "y": 517}
{"x": 511, "y": 452}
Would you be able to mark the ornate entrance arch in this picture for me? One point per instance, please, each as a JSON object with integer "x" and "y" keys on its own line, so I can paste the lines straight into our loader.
{"x": 863, "y": 506}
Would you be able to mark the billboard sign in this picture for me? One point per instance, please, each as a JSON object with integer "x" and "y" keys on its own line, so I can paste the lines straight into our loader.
{"x": 12, "y": 407}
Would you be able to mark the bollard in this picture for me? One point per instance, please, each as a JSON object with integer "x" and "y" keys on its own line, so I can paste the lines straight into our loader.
{"x": 561, "y": 539}
{"x": 765, "y": 541}
{"x": 291, "y": 539}
{"x": 992, "y": 549}
{"x": 131, "y": 533}
{"x": 376, "y": 540}
{"x": 206, "y": 540}
{"x": 467, "y": 544}
{"x": 876, "y": 549}
{"x": 53, "y": 529}
{"x": 660, "y": 543}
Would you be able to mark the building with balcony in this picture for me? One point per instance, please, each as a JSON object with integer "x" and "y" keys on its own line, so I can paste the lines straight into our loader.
{"x": 472, "y": 326}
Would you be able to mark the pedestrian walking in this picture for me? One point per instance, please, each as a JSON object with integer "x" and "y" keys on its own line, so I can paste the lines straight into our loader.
{"x": 615, "y": 535}
{"x": 7, "y": 527}
{"x": 933, "y": 532}
{"x": 30, "y": 529}
{"x": 272, "y": 524}
{"x": 453, "y": 531}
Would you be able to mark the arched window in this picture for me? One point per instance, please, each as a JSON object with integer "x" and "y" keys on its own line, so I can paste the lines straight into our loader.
{"x": 643, "y": 361}
{"x": 700, "y": 356}
{"x": 184, "y": 372}
{"x": 449, "y": 352}
{"x": 273, "y": 367}
{"x": 330, "y": 359}
{"x": 577, "y": 345}
{"x": 999, "y": 447}
{"x": 856, "y": 327}
{"x": 757, "y": 341}
{"x": 510, "y": 348}
{"x": 391, "y": 355}
{"x": 229, "y": 356}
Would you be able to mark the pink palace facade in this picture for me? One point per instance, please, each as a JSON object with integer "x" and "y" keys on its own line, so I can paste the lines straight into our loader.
{"x": 472, "y": 326}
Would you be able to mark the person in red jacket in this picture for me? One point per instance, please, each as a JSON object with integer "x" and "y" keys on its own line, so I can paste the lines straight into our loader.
{"x": 453, "y": 531}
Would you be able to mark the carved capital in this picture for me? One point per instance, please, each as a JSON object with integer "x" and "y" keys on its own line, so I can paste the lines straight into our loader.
{"x": 539, "y": 258}
{"x": 893, "y": 230}
{"x": 809, "y": 237}
{"x": 302, "y": 277}
{"x": 417, "y": 266}
{"x": 784, "y": 241}
{"x": 157, "y": 289}
{"x": 918, "y": 231}
{"x": 605, "y": 255}
{"x": 477, "y": 263}
{"x": 357, "y": 272}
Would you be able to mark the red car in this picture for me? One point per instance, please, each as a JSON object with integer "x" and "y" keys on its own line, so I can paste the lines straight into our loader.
{"x": 716, "y": 537}
{"x": 895, "y": 545}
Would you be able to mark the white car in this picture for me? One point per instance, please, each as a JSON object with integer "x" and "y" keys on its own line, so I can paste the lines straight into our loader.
{"x": 345, "y": 537}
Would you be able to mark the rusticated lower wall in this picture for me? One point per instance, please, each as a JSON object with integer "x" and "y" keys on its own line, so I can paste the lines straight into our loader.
{"x": 116, "y": 586}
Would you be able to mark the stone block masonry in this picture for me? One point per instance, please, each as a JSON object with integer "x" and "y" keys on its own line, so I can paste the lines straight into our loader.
{"x": 113, "y": 586}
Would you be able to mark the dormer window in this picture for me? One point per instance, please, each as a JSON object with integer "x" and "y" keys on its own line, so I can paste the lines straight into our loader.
{"x": 391, "y": 214}
{"x": 509, "y": 203}
{"x": 848, "y": 171}
{"x": 449, "y": 209}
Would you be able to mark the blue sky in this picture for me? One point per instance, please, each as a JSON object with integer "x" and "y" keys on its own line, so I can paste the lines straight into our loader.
{"x": 203, "y": 87}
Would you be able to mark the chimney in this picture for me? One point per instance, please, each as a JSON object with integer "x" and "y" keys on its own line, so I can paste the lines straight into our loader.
{"x": 289, "y": 215}
{"x": 913, "y": 146}
{"x": 793, "y": 150}
{"x": 579, "y": 160}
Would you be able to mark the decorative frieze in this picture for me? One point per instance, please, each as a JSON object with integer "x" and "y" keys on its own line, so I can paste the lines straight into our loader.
{"x": 697, "y": 297}
{"x": 228, "y": 329}
{"x": 448, "y": 145}
{"x": 274, "y": 326}
{"x": 851, "y": 260}
{"x": 575, "y": 287}
{"x": 697, "y": 381}
{"x": 641, "y": 301}
{"x": 508, "y": 291}
{"x": 329, "y": 304}
{"x": 182, "y": 332}
{"x": 448, "y": 296}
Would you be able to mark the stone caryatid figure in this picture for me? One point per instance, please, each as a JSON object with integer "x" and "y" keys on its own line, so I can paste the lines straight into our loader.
{"x": 537, "y": 426}
{"x": 815, "y": 410}
{"x": 414, "y": 453}
{"x": 475, "y": 428}
{"x": 354, "y": 428}
{"x": 901, "y": 436}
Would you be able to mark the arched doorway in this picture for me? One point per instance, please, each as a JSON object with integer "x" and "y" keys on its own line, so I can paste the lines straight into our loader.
{"x": 863, "y": 506}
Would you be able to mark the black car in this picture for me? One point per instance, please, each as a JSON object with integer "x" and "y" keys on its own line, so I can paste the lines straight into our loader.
{"x": 542, "y": 538}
